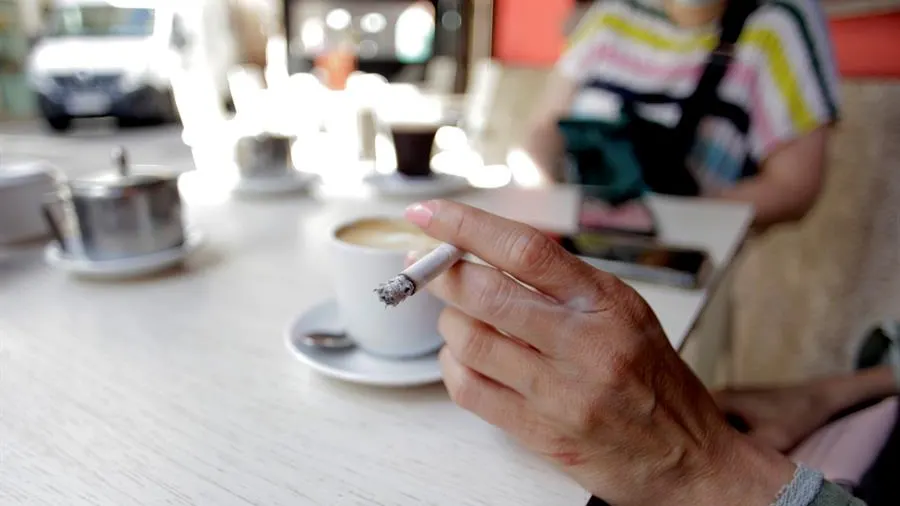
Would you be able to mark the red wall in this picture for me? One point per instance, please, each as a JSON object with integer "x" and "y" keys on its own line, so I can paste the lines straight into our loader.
{"x": 529, "y": 32}
{"x": 868, "y": 46}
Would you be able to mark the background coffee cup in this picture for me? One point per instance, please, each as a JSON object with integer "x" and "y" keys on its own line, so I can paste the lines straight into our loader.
{"x": 413, "y": 144}
{"x": 406, "y": 331}
{"x": 264, "y": 156}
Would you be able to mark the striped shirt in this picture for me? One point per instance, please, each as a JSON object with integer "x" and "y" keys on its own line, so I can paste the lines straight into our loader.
{"x": 781, "y": 85}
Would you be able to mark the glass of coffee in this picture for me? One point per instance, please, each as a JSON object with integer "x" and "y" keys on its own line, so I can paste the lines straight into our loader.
{"x": 413, "y": 143}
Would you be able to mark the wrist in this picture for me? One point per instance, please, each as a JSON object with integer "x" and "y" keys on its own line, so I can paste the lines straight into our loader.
{"x": 741, "y": 472}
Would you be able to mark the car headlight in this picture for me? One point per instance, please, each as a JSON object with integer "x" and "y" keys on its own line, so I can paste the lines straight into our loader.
{"x": 41, "y": 81}
{"x": 133, "y": 79}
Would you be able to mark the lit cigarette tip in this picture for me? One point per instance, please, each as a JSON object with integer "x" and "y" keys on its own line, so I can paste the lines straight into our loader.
{"x": 395, "y": 291}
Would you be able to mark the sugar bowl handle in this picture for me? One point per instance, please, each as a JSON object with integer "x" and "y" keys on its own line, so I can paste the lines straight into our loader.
{"x": 52, "y": 223}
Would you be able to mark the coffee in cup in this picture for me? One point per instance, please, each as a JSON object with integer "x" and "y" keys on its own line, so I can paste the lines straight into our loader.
{"x": 413, "y": 143}
{"x": 388, "y": 234}
{"x": 366, "y": 252}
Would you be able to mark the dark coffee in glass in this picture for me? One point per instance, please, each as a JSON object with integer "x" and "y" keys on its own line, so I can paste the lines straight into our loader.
{"x": 413, "y": 144}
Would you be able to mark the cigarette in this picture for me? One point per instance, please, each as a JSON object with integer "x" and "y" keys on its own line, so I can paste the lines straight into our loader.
{"x": 419, "y": 274}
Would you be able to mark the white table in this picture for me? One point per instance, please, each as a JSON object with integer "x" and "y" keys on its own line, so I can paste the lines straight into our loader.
{"x": 179, "y": 390}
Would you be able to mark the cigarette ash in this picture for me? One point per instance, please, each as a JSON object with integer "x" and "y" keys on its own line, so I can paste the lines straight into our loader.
{"x": 396, "y": 290}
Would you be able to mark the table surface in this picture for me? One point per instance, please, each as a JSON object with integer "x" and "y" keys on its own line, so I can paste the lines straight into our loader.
{"x": 179, "y": 389}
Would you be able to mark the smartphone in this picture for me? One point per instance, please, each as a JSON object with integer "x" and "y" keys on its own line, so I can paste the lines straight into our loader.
{"x": 640, "y": 259}
{"x": 630, "y": 218}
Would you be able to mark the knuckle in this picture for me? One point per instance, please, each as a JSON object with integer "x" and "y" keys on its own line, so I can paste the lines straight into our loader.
{"x": 585, "y": 414}
{"x": 531, "y": 249}
{"x": 617, "y": 370}
{"x": 466, "y": 338}
{"x": 609, "y": 291}
{"x": 493, "y": 297}
{"x": 534, "y": 386}
{"x": 473, "y": 347}
{"x": 466, "y": 391}
{"x": 629, "y": 302}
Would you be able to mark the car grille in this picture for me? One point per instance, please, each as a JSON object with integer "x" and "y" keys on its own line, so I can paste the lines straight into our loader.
{"x": 87, "y": 81}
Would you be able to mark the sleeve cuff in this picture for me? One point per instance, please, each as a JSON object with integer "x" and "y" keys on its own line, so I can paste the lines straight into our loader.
{"x": 809, "y": 488}
{"x": 803, "y": 489}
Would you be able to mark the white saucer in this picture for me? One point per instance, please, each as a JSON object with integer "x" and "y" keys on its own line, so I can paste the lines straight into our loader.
{"x": 396, "y": 185}
{"x": 125, "y": 267}
{"x": 354, "y": 365}
{"x": 264, "y": 186}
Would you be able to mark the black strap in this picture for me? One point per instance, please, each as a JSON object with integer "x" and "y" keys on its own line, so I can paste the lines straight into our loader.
{"x": 705, "y": 95}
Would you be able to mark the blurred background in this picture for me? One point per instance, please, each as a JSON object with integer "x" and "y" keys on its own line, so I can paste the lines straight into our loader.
{"x": 80, "y": 76}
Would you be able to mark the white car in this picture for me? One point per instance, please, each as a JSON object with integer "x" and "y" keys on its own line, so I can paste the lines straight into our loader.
{"x": 118, "y": 57}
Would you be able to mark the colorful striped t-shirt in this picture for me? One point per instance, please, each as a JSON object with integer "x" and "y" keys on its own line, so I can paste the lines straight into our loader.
{"x": 782, "y": 82}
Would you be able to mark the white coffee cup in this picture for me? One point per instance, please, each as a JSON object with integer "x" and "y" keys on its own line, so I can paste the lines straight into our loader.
{"x": 406, "y": 331}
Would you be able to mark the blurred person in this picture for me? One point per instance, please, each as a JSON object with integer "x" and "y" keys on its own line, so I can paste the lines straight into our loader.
{"x": 846, "y": 425}
{"x": 754, "y": 131}
{"x": 571, "y": 362}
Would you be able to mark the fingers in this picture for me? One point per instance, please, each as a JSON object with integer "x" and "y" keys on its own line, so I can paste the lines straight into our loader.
{"x": 494, "y": 403}
{"x": 724, "y": 399}
{"x": 493, "y": 297}
{"x": 513, "y": 247}
{"x": 773, "y": 437}
{"x": 481, "y": 348}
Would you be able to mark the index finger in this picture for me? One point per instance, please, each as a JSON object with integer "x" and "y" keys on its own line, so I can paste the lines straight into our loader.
{"x": 518, "y": 249}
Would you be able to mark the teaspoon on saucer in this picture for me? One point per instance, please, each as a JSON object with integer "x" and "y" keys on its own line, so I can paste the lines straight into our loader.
{"x": 328, "y": 340}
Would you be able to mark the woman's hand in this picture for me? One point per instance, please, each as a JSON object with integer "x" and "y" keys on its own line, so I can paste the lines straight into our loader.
{"x": 579, "y": 370}
{"x": 780, "y": 418}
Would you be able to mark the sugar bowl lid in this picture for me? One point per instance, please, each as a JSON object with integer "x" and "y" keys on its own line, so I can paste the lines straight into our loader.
{"x": 122, "y": 179}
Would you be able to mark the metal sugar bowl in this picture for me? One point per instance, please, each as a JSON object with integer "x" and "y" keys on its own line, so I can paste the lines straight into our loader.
{"x": 119, "y": 215}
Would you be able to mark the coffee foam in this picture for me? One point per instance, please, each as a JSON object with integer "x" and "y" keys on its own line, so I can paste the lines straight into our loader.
{"x": 387, "y": 234}
{"x": 411, "y": 127}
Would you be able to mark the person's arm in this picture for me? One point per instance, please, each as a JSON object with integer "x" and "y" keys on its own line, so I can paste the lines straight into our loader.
{"x": 794, "y": 103}
{"x": 788, "y": 183}
{"x": 543, "y": 142}
{"x": 844, "y": 392}
{"x": 781, "y": 417}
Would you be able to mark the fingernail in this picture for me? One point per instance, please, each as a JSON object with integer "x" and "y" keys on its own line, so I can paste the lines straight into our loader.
{"x": 420, "y": 213}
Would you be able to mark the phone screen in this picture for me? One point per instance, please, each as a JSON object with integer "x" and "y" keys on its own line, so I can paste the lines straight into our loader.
{"x": 637, "y": 259}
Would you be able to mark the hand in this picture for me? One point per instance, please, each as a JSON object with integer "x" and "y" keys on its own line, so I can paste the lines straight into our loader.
{"x": 780, "y": 418}
{"x": 578, "y": 369}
